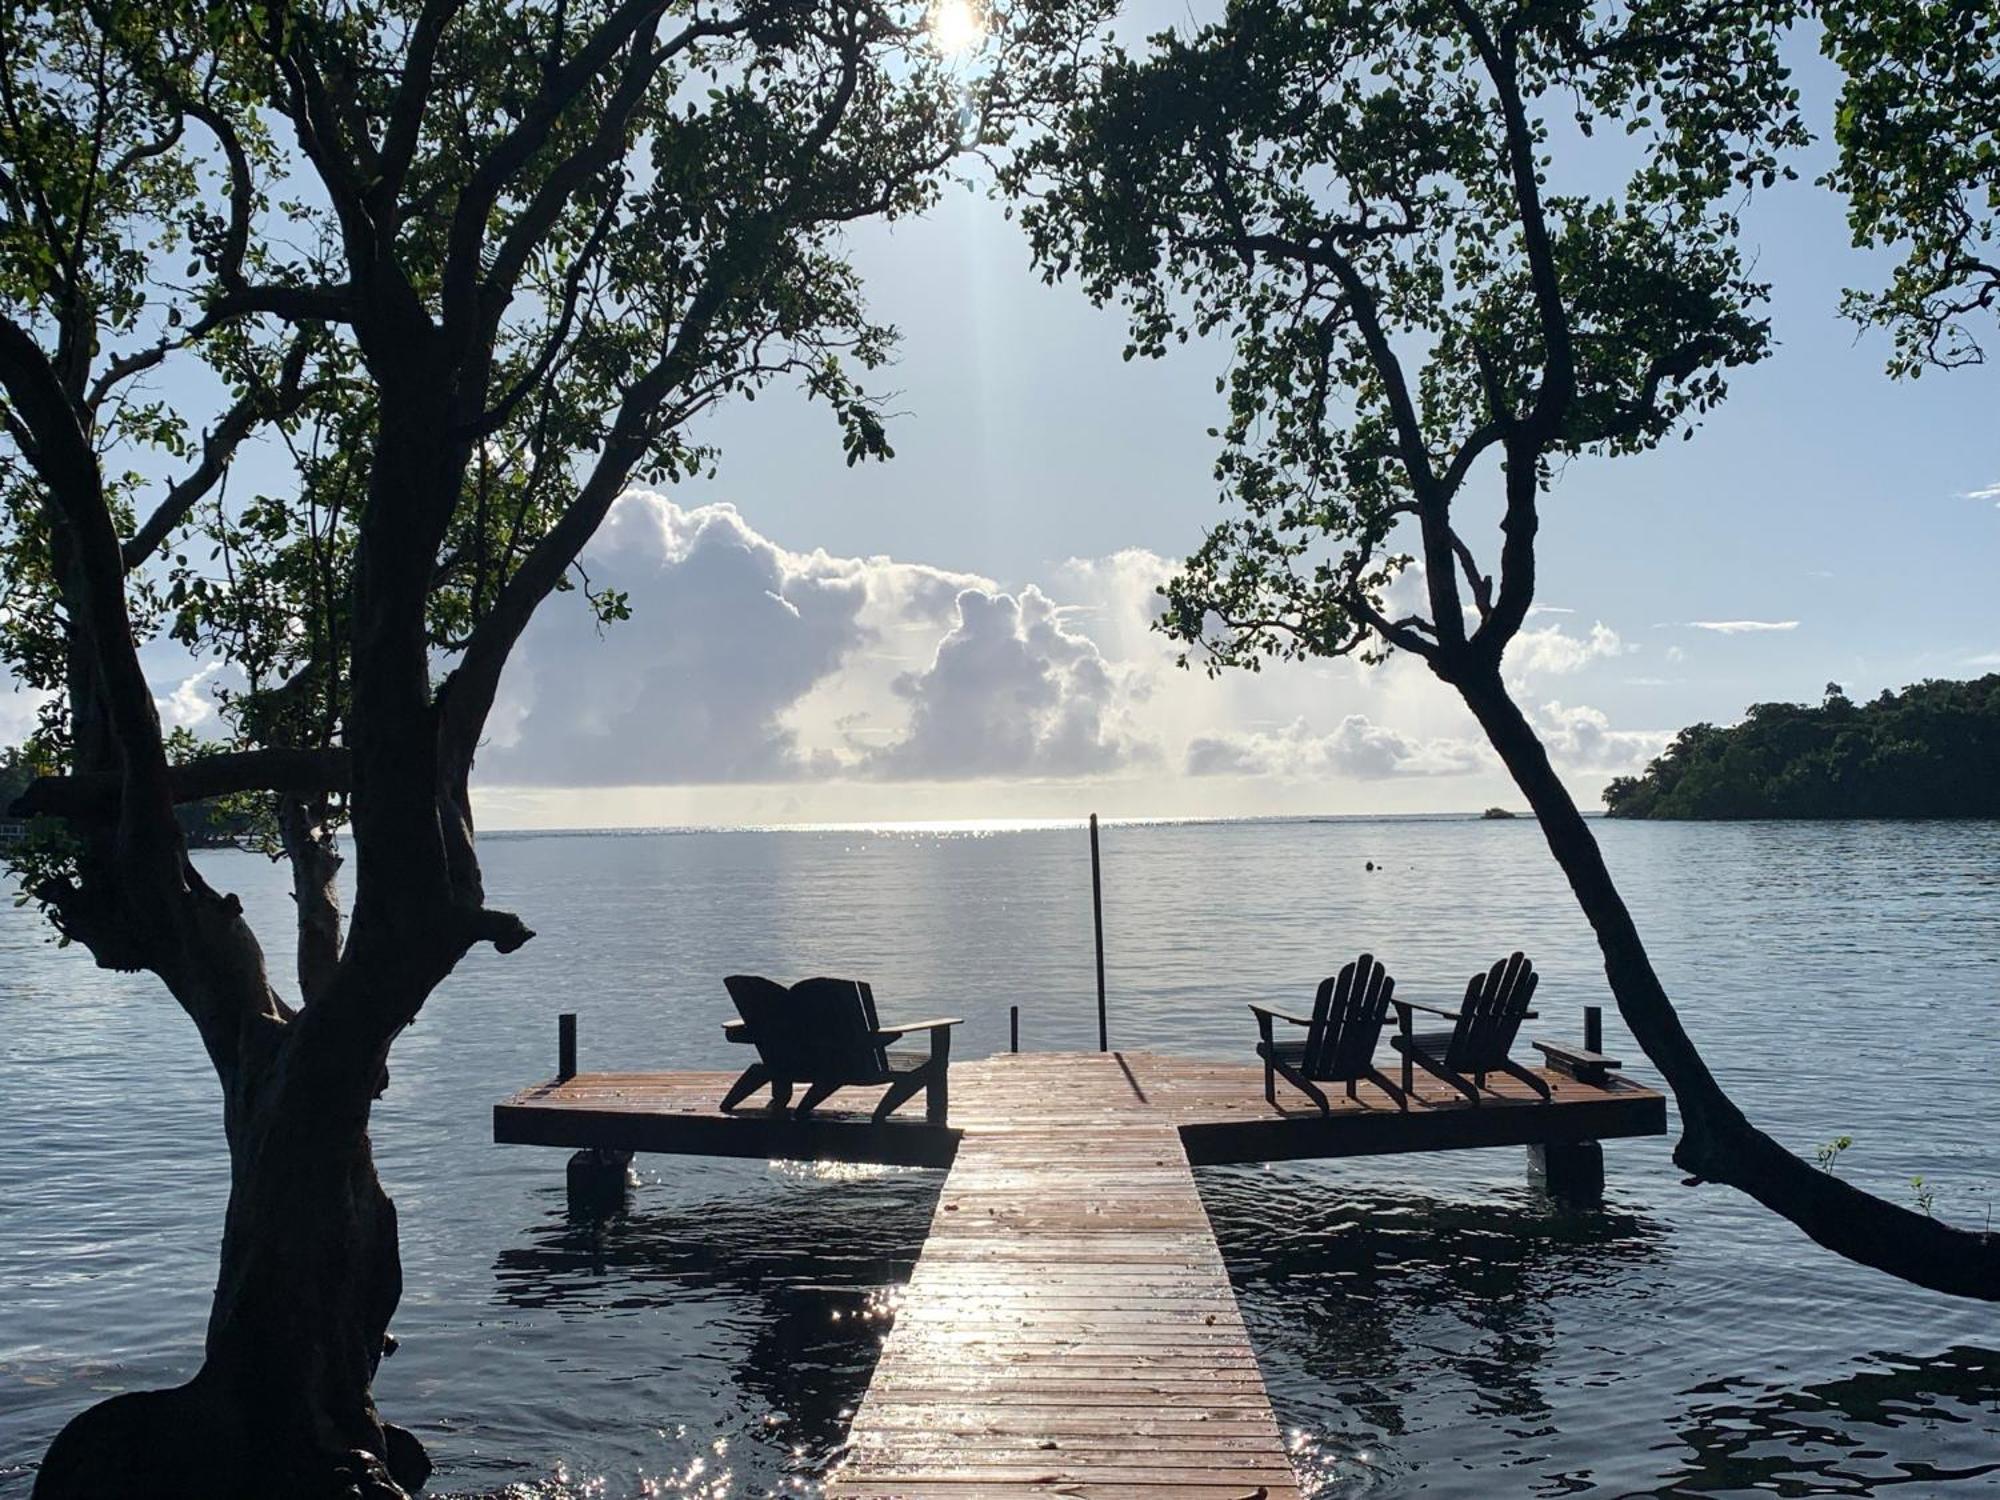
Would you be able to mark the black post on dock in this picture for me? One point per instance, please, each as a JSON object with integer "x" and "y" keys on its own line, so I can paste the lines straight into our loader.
{"x": 1013, "y": 1028}
{"x": 565, "y": 1046}
{"x": 1097, "y": 912}
{"x": 1593, "y": 1028}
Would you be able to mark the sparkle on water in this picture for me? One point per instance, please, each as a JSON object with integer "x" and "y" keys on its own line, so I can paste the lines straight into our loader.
{"x": 1425, "y": 1324}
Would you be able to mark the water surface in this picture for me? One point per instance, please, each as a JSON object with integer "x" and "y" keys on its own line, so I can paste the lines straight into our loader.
{"x": 1426, "y": 1324}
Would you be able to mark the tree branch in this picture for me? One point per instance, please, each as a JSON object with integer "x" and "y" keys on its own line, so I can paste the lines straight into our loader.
{"x": 218, "y": 448}
{"x": 97, "y": 796}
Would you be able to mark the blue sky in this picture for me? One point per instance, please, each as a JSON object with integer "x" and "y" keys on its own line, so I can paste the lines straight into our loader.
{"x": 804, "y": 646}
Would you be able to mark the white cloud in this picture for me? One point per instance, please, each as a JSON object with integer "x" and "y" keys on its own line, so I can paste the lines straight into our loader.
{"x": 1359, "y": 748}
{"x": 728, "y": 633}
{"x": 18, "y": 708}
{"x": 1552, "y": 651}
{"x": 1984, "y": 492}
{"x": 1011, "y": 691}
{"x": 1742, "y": 627}
{"x": 192, "y": 703}
{"x": 1581, "y": 738}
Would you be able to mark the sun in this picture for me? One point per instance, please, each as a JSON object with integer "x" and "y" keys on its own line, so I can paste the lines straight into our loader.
{"x": 957, "y": 25}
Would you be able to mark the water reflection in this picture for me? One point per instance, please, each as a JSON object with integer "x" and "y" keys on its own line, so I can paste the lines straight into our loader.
{"x": 787, "y": 1298}
{"x": 1384, "y": 1318}
{"x": 1412, "y": 1342}
{"x": 1833, "y": 1437}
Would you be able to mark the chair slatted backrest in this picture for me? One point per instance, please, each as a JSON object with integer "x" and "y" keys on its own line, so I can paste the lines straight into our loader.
{"x": 1347, "y": 1021}
{"x": 818, "y": 1029}
{"x": 843, "y": 1013}
{"x": 1495, "y": 1004}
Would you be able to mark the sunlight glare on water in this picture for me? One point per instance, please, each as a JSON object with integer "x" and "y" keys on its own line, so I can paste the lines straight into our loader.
{"x": 1424, "y": 1323}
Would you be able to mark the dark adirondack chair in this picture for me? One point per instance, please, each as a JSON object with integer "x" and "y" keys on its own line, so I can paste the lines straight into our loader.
{"x": 1341, "y": 1032}
{"x": 824, "y": 1033}
{"x": 1482, "y": 1031}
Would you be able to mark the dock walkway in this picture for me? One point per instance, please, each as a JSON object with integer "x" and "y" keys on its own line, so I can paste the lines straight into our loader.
{"x": 1069, "y": 1328}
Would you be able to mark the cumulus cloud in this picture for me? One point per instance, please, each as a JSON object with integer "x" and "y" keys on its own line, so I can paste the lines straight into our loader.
{"x": 1742, "y": 627}
{"x": 1359, "y": 748}
{"x": 1581, "y": 738}
{"x": 1553, "y": 651}
{"x": 1011, "y": 691}
{"x": 728, "y": 632}
{"x": 191, "y": 703}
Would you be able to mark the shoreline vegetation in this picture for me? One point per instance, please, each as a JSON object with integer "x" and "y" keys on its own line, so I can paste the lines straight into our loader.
{"x": 1930, "y": 751}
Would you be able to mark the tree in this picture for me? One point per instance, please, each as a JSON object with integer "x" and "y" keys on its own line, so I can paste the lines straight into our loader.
{"x": 1918, "y": 127}
{"x": 1931, "y": 751}
{"x": 1427, "y": 258}
{"x": 475, "y": 264}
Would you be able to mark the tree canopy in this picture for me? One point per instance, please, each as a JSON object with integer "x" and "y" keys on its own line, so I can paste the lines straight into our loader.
{"x": 460, "y": 269}
{"x": 1369, "y": 203}
{"x": 1930, "y": 751}
{"x": 1918, "y": 128}
{"x": 1408, "y": 227}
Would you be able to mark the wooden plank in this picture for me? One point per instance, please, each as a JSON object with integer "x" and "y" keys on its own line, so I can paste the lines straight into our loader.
{"x": 1069, "y": 1327}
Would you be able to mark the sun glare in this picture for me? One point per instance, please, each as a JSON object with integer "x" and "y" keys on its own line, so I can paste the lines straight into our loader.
{"x": 957, "y": 26}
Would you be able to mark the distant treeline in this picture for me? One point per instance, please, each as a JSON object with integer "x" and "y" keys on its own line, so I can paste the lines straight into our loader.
{"x": 1930, "y": 751}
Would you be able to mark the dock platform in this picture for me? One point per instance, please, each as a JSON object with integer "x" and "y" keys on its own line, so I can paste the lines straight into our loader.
{"x": 1069, "y": 1328}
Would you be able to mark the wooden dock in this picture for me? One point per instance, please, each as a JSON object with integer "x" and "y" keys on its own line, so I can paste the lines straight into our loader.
{"x": 1069, "y": 1328}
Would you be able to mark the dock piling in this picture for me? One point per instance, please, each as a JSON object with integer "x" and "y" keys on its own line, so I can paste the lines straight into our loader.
{"x": 565, "y": 1047}
{"x": 1593, "y": 1028}
{"x": 1013, "y": 1028}
{"x": 1097, "y": 913}
{"x": 1571, "y": 1172}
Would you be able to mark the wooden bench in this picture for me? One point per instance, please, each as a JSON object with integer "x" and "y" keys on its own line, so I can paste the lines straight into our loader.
{"x": 1593, "y": 1068}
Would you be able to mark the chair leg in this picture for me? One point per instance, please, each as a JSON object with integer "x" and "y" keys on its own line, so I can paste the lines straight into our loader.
{"x": 1350, "y": 1088}
{"x": 1381, "y": 1081}
{"x": 754, "y": 1077}
{"x": 1304, "y": 1085}
{"x": 901, "y": 1088}
{"x": 1270, "y": 1082}
{"x": 937, "y": 1090}
{"x": 1463, "y": 1085}
{"x": 1527, "y": 1076}
{"x": 816, "y": 1095}
{"x": 781, "y": 1094}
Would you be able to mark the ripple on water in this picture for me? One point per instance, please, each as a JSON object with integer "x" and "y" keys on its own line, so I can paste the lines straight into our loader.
{"x": 1425, "y": 1324}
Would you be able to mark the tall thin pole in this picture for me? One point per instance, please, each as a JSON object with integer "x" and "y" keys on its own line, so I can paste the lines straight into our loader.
{"x": 1097, "y": 911}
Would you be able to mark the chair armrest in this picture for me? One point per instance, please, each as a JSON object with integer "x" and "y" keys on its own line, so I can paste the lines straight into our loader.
{"x": 1406, "y": 1006}
{"x": 737, "y": 1031}
{"x": 1279, "y": 1015}
{"x": 904, "y": 1028}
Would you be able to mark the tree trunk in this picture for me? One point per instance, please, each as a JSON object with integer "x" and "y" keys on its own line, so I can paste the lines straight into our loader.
{"x": 1717, "y": 1143}
{"x": 310, "y": 1278}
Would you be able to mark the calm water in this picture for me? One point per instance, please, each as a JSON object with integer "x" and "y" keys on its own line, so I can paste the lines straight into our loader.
{"x": 1425, "y": 1324}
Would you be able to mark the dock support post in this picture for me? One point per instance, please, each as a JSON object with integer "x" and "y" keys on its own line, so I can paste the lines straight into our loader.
{"x": 1571, "y": 1172}
{"x": 599, "y": 1179}
{"x": 1593, "y": 1028}
{"x": 1013, "y": 1028}
{"x": 1097, "y": 913}
{"x": 565, "y": 1047}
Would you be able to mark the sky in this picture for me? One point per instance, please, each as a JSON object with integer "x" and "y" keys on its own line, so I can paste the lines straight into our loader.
{"x": 963, "y": 633}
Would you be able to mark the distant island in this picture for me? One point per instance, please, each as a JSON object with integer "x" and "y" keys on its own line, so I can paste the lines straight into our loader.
{"x": 1930, "y": 751}
{"x": 1493, "y": 813}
